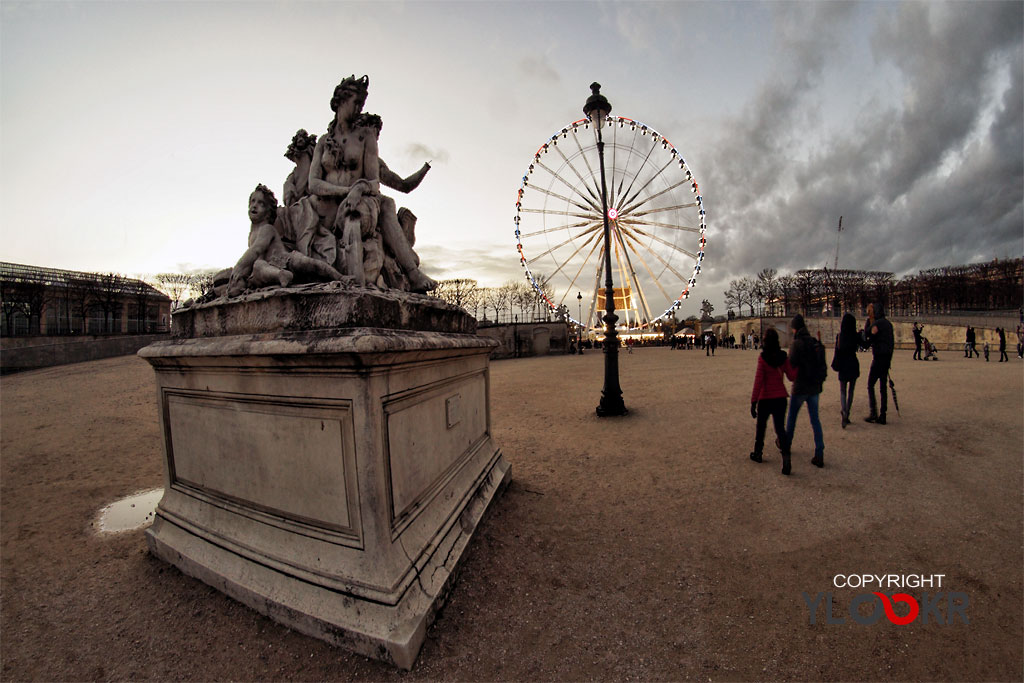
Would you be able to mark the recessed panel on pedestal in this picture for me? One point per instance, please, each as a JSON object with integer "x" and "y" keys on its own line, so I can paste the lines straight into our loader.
{"x": 280, "y": 455}
{"x": 429, "y": 433}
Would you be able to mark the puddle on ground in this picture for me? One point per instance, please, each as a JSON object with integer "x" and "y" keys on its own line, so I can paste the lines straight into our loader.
{"x": 131, "y": 512}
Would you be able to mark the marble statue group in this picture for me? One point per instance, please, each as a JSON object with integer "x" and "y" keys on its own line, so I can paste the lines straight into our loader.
{"x": 334, "y": 225}
{"x": 328, "y": 455}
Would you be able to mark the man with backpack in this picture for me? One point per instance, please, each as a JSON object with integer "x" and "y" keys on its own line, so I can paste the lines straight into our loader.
{"x": 878, "y": 335}
{"x": 807, "y": 370}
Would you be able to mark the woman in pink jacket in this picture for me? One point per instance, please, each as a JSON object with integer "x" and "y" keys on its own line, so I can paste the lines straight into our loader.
{"x": 769, "y": 396}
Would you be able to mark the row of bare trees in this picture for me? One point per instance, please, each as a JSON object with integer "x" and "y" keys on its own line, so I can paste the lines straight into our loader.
{"x": 182, "y": 286}
{"x": 993, "y": 285}
{"x": 512, "y": 301}
{"x": 74, "y": 303}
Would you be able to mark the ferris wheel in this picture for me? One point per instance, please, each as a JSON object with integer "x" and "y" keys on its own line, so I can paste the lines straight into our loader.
{"x": 656, "y": 221}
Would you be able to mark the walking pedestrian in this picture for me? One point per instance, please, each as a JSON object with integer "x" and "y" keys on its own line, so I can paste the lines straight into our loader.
{"x": 878, "y": 335}
{"x": 768, "y": 398}
{"x": 1002, "y": 345}
{"x": 846, "y": 365}
{"x": 918, "y": 329}
{"x": 984, "y": 348}
{"x": 972, "y": 343}
{"x": 803, "y": 372}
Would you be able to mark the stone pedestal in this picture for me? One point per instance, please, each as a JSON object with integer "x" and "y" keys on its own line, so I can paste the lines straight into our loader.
{"x": 326, "y": 471}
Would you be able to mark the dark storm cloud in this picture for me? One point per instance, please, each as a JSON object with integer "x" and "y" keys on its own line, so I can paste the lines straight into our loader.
{"x": 934, "y": 176}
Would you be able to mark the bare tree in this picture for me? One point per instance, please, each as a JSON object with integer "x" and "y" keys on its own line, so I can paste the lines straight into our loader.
{"x": 787, "y": 288}
{"x": 173, "y": 285}
{"x": 108, "y": 297}
{"x": 767, "y": 289}
{"x": 503, "y": 298}
{"x": 543, "y": 292}
{"x": 491, "y": 298}
{"x": 458, "y": 292}
{"x": 201, "y": 283}
{"x": 733, "y": 297}
{"x": 748, "y": 290}
{"x": 522, "y": 296}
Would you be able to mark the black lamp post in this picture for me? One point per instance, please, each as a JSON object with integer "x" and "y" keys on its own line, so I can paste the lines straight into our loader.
{"x": 579, "y": 327}
{"x": 597, "y": 110}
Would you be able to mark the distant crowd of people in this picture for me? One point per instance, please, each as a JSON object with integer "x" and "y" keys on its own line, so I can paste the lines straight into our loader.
{"x": 971, "y": 341}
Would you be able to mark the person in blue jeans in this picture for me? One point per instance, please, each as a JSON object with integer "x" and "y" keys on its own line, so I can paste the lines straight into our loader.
{"x": 806, "y": 389}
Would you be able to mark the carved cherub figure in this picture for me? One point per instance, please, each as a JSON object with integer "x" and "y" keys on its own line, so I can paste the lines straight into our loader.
{"x": 267, "y": 262}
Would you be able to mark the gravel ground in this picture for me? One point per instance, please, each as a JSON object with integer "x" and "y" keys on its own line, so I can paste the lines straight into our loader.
{"x": 643, "y": 547}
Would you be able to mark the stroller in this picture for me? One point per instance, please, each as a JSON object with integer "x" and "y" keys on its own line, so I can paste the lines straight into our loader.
{"x": 929, "y": 349}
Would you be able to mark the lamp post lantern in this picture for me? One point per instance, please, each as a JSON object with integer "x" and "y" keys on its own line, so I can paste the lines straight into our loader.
{"x": 597, "y": 110}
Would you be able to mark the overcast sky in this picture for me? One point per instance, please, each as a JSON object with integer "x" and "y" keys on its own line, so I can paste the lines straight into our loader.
{"x": 132, "y": 133}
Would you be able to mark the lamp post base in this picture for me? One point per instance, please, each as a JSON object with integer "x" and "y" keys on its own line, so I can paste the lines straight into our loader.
{"x": 611, "y": 406}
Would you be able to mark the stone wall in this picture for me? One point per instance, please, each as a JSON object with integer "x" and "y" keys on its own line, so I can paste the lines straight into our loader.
{"x": 29, "y": 353}
{"x": 532, "y": 339}
{"x": 946, "y": 335}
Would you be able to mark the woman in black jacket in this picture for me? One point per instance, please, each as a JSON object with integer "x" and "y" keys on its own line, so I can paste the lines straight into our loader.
{"x": 845, "y": 363}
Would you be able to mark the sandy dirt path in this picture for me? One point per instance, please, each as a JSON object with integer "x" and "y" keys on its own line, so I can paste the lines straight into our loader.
{"x": 643, "y": 547}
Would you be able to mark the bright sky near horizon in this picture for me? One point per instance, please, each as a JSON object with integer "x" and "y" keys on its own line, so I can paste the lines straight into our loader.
{"x": 132, "y": 133}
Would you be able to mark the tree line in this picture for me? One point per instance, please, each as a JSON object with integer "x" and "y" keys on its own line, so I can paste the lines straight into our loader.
{"x": 514, "y": 301}
{"x": 992, "y": 285}
{"x": 76, "y": 303}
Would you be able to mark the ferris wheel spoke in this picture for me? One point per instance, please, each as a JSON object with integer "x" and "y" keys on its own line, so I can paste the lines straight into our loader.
{"x": 561, "y": 244}
{"x": 632, "y": 272}
{"x": 597, "y": 282}
{"x": 593, "y": 238}
{"x": 643, "y": 262}
{"x": 656, "y": 224}
{"x": 639, "y": 170}
{"x": 591, "y": 173}
{"x": 622, "y": 280}
{"x": 555, "y": 212}
{"x": 558, "y": 196}
{"x": 583, "y": 265}
{"x": 670, "y": 245}
{"x": 617, "y": 191}
{"x": 662, "y": 208}
{"x": 594, "y": 199}
{"x": 595, "y": 191}
{"x": 588, "y": 200}
{"x": 592, "y": 215}
{"x": 649, "y": 181}
{"x": 630, "y": 209}
{"x": 665, "y": 263}
{"x": 567, "y": 226}
{"x": 615, "y": 148}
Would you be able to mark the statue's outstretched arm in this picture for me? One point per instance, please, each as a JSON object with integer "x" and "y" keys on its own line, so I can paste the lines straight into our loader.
{"x": 396, "y": 182}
